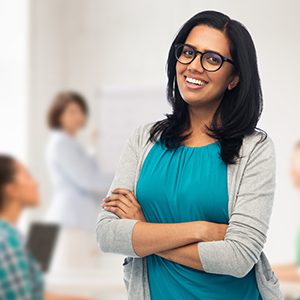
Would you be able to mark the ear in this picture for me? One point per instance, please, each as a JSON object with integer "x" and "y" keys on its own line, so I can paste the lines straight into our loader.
{"x": 234, "y": 82}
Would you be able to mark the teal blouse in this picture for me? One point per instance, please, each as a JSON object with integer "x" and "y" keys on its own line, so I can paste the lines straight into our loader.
{"x": 182, "y": 185}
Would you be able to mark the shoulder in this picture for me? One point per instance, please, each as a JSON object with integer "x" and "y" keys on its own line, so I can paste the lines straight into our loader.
{"x": 58, "y": 136}
{"x": 9, "y": 239}
{"x": 258, "y": 155}
{"x": 59, "y": 141}
{"x": 143, "y": 129}
{"x": 140, "y": 134}
{"x": 260, "y": 142}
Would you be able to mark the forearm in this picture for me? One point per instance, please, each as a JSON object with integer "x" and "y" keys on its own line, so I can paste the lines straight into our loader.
{"x": 186, "y": 255}
{"x": 150, "y": 238}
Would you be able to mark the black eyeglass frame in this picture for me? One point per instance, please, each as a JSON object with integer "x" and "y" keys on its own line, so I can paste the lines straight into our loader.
{"x": 224, "y": 58}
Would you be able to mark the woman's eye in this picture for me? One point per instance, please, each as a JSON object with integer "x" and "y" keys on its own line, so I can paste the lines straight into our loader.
{"x": 188, "y": 52}
{"x": 213, "y": 59}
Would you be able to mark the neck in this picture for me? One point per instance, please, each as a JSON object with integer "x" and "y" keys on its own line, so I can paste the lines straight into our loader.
{"x": 201, "y": 116}
{"x": 70, "y": 132}
{"x": 11, "y": 212}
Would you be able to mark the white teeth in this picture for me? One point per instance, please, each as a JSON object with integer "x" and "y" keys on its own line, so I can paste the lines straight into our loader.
{"x": 195, "y": 81}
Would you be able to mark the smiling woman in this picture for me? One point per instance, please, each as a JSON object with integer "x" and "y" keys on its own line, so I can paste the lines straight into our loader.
{"x": 189, "y": 70}
{"x": 192, "y": 196}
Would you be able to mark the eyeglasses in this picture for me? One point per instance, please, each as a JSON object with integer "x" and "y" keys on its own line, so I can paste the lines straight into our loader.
{"x": 210, "y": 60}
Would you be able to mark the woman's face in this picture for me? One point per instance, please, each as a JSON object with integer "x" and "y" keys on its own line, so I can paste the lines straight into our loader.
{"x": 73, "y": 118}
{"x": 23, "y": 189}
{"x": 204, "y": 38}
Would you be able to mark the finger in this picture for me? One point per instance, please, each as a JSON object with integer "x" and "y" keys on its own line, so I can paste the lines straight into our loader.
{"x": 129, "y": 194}
{"x": 119, "y": 212}
{"x": 119, "y": 197}
{"x": 117, "y": 203}
{"x": 124, "y": 192}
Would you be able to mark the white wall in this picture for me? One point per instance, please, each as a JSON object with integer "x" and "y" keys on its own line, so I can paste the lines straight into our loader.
{"x": 13, "y": 71}
{"x": 88, "y": 45}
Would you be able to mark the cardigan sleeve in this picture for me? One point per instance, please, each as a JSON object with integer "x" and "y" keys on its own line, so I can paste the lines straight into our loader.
{"x": 246, "y": 233}
{"x": 114, "y": 234}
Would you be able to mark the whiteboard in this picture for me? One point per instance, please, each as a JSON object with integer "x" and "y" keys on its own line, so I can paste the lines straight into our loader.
{"x": 121, "y": 110}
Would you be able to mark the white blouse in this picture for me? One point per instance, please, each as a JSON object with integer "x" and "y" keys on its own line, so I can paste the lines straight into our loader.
{"x": 78, "y": 183}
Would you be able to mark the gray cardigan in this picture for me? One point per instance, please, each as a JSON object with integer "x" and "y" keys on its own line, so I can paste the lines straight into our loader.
{"x": 251, "y": 186}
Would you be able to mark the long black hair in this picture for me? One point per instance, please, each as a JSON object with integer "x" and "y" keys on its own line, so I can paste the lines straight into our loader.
{"x": 240, "y": 108}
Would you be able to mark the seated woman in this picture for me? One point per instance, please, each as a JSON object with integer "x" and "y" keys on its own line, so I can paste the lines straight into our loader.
{"x": 20, "y": 274}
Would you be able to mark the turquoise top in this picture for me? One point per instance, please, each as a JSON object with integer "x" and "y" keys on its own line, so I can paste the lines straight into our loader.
{"x": 182, "y": 185}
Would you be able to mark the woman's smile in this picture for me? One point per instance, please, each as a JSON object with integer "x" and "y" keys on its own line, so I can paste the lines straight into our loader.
{"x": 194, "y": 84}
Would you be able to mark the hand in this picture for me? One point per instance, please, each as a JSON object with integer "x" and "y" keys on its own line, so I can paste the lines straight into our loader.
{"x": 210, "y": 231}
{"x": 94, "y": 134}
{"x": 123, "y": 203}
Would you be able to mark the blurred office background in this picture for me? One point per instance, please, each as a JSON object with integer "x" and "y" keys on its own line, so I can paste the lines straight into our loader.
{"x": 114, "y": 53}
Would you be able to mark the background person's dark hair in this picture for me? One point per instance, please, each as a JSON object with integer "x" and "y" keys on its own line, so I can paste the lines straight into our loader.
{"x": 60, "y": 103}
{"x": 7, "y": 173}
{"x": 240, "y": 108}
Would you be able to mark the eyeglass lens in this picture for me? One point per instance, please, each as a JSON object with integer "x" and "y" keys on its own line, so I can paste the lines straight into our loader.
{"x": 210, "y": 61}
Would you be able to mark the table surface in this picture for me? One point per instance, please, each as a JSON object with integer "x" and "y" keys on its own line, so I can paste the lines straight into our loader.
{"x": 289, "y": 277}
{"x": 287, "y": 273}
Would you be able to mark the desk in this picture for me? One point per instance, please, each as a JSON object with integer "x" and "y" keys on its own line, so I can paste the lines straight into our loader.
{"x": 289, "y": 278}
{"x": 99, "y": 286}
{"x": 79, "y": 268}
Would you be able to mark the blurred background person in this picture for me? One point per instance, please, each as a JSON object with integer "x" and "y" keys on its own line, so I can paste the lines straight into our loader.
{"x": 76, "y": 177}
{"x": 77, "y": 183}
{"x": 20, "y": 274}
{"x": 295, "y": 166}
{"x": 291, "y": 272}
{"x": 295, "y": 177}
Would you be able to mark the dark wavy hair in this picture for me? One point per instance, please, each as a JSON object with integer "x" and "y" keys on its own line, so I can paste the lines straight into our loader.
{"x": 241, "y": 107}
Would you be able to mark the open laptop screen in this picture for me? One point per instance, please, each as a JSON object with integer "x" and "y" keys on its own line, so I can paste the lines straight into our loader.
{"x": 41, "y": 242}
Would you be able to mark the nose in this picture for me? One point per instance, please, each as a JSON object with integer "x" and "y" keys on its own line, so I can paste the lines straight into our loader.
{"x": 196, "y": 65}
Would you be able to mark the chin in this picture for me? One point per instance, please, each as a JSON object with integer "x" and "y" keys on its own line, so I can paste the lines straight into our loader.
{"x": 34, "y": 203}
{"x": 193, "y": 99}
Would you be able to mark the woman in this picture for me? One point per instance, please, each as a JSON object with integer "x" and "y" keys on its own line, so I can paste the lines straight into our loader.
{"x": 192, "y": 197}
{"x": 20, "y": 274}
{"x": 76, "y": 177}
{"x": 77, "y": 185}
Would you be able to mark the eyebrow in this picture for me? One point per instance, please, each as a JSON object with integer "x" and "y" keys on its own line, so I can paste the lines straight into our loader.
{"x": 204, "y": 49}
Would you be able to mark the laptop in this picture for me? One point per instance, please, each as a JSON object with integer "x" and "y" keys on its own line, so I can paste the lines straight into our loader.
{"x": 41, "y": 242}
